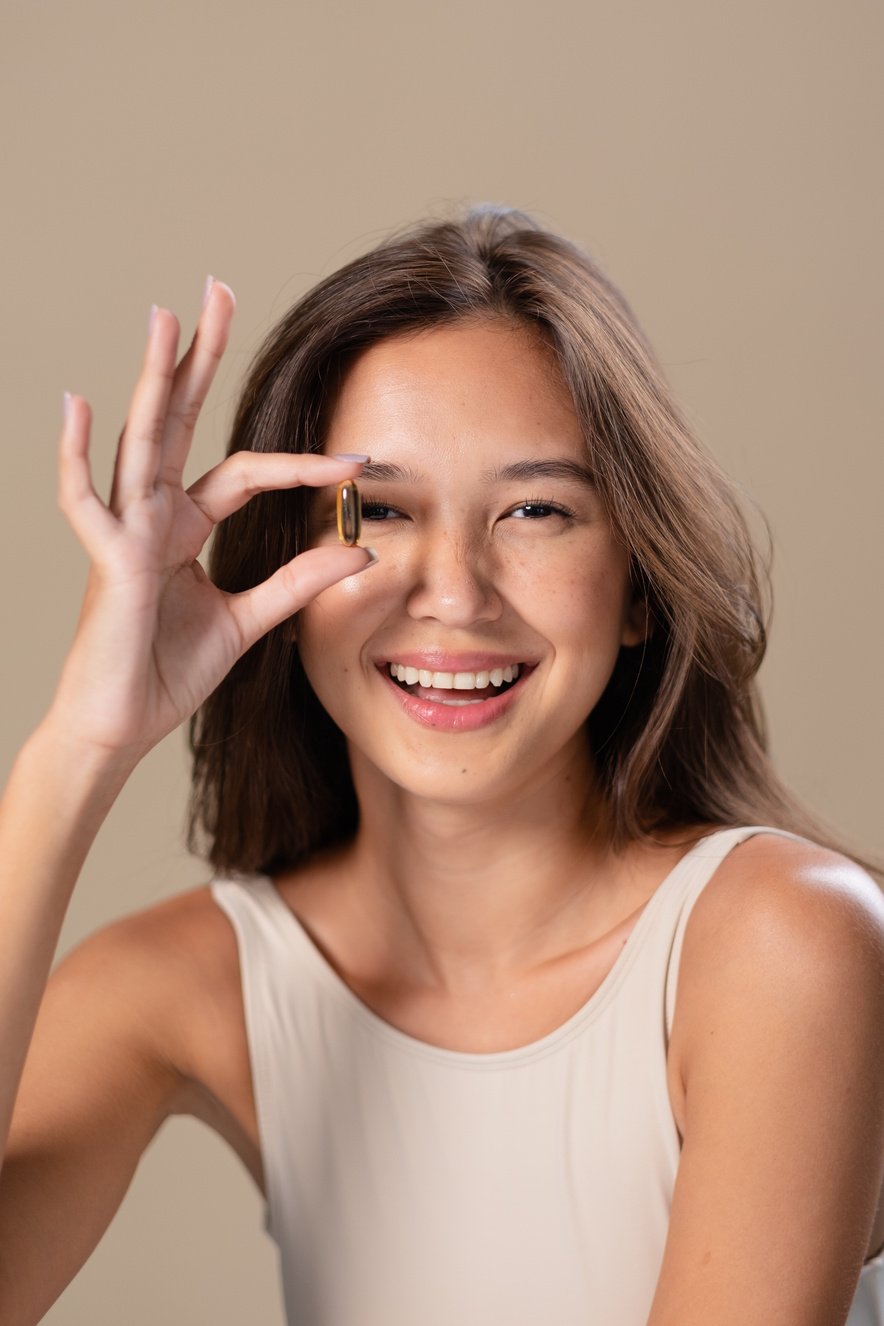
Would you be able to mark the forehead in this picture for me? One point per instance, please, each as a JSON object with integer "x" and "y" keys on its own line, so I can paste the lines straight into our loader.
{"x": 468, "y": 380}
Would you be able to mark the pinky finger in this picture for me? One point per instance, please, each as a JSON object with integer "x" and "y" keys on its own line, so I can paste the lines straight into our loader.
{"x": 87, "y": 515}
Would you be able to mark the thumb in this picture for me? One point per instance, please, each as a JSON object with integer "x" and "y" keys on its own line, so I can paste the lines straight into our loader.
{"x": 256, "y": 611}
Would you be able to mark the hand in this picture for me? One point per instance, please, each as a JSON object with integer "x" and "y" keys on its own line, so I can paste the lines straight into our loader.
{"x": 155, "y": 636}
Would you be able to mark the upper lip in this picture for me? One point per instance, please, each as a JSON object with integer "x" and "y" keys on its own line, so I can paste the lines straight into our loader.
{"x": 439, "y": 660}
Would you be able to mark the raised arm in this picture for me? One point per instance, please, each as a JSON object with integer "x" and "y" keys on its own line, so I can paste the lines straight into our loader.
{"x": 154, "y": 638}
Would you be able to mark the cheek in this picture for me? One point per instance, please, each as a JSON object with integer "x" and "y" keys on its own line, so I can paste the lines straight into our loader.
{"x": 341, "y": 618}
{"x": 572, "y": 595}
{"x": 579, "y": 594}
{"x": 331, "y": 629}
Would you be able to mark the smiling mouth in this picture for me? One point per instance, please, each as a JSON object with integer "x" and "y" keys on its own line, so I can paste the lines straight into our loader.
{"x": 454, "y": 688}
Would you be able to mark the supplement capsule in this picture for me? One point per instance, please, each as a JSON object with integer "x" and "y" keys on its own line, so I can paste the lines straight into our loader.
{"x": 349, "y": 512}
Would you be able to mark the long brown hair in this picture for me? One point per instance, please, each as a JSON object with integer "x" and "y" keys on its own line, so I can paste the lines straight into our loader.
{"x": 678, "y": 737}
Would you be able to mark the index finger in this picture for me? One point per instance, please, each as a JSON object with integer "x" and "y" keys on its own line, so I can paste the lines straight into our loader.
{"x": 230, "y": 484}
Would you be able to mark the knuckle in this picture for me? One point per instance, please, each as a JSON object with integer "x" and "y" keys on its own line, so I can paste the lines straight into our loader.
{"x": 148, "y": 430}
{"x": 186, "y": 407}
{"x": 155, "y": 426}
{"x": 242, "y": 468}
{"x": 189, "y": 414}
{"x": 214, "y": 353}
{"x": 290, "y": 579}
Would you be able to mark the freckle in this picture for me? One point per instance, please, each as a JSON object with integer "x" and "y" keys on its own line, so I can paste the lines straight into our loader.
{"x": 707, "y": 1257}
{"x": 463, "y": 770}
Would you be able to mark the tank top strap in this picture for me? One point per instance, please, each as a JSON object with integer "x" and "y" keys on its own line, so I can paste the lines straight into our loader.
{"x": 272, "y": 987}
{"x": 701, "y": 864}
{"x": 254, "y": 908}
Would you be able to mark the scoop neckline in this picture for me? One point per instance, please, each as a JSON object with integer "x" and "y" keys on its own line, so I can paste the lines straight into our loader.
{"x": 479, "y": 1059}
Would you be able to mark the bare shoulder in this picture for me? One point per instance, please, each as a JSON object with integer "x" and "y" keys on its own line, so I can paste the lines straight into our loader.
{"x": 782, "y": 922}
{"x": 162, "y": 967}
{"x": 792, "y": 899}
{"x": 777, "y": 1086}
{"x": 180, "y": 939}
{"x": 121, "y": 1026}
{"x": 170, "y": 972}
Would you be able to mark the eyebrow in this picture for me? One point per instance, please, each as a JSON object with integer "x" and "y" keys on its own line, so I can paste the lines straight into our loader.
{"x": 544, "y": 469}
{"x": 562, "y": 468}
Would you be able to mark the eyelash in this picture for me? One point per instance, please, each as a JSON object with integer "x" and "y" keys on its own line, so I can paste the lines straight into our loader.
{"x": 368, "y": 508}
{"x": 555, "y": 507}
{"x": 372, "y": 508}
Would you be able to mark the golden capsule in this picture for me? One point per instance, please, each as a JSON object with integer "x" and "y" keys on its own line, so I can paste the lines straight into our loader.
{"x": 349, "y": 512}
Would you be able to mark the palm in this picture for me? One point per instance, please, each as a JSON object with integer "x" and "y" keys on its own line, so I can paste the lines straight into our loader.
{"x": 193, "y": 636}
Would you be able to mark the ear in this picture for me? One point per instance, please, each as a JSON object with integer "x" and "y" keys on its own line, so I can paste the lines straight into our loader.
{"x": 638, "y": 624}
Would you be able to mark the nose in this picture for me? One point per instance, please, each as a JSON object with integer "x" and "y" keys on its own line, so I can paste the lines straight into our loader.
{"x": 453, "y": 581}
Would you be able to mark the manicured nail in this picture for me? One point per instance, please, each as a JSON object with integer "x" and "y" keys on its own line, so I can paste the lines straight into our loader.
{"x": 225, "y": 286}
{"x": 210, "y": 281}
{"x": 152, "y": 319}
{"x": 348, "y": 455}
{"x": 67, "y": 404}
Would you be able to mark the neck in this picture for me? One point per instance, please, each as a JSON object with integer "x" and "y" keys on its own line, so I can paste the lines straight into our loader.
{"x": 470, "y": 897}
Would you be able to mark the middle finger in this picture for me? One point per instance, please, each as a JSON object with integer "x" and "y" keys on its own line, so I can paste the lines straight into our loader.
{"x": 140, "y": 445}
{"x": 193, "y": 378}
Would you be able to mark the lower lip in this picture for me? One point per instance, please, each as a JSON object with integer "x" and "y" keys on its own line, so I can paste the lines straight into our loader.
{"x": 457, "y": 718}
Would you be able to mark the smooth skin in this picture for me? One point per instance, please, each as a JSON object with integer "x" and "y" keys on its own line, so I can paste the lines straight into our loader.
{"x": 774, "y": 1069}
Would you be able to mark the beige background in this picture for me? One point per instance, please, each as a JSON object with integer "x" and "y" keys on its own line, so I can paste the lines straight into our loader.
{"x": 717, "y": 158}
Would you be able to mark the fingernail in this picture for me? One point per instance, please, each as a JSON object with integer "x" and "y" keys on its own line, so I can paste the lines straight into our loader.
{"x": 372, "y": 555}
{"x": 350, "y": 455}
{"x": 225, "y": 286}
{"x": 210, "y": 281}
{"x": 152, "y": 319}
{"x": 66, "y": 407}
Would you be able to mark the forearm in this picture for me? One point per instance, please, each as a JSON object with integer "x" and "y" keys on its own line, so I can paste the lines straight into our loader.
{"x": 57, "y": 796}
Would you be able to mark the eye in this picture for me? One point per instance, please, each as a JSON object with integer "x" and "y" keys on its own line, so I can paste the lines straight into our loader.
{"x": 380, "y": 511}
{"x": 536, "y": 508}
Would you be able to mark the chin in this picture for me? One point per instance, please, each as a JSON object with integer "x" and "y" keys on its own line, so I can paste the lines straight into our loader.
{"x": 461, "y": 779}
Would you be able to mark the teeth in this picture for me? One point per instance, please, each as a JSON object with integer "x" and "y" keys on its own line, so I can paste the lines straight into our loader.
{"x": 453, "y": 681}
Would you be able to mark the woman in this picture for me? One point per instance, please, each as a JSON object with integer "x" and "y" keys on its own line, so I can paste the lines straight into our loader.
{"x": 504, "y": 991}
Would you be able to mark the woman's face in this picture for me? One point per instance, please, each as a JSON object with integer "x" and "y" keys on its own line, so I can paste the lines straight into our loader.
{"x": 494, "y": 554}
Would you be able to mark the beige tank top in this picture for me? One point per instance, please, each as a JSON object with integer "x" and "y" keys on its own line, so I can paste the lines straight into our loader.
{"x": 410, "y": 1185}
